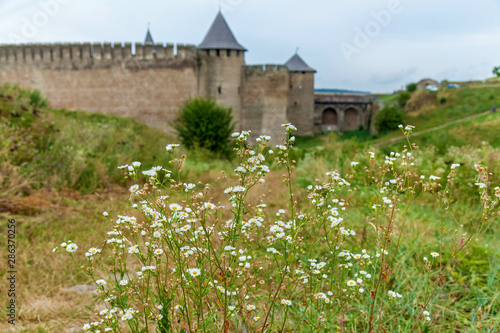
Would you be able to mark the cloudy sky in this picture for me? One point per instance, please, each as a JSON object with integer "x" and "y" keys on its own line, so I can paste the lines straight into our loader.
{"x": 371, "y": 45}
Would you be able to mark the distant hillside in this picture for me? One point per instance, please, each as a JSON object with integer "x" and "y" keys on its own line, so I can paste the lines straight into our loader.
{"x": 427, "y": 109}
{"x": 340, "y": 92}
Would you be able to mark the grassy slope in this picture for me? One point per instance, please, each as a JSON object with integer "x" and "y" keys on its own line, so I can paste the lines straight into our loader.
{"x": 72, "y": 149}
{"x": 460, "y": 103}
{"x": 475, "y": 132}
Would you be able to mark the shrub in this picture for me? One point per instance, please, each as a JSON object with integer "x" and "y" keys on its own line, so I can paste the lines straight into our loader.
{"x": 403, "y": 98}
{"x": 388, "y": 118}
{"x": 442, "y": 100}
{"x": 411, "y": 87}
{"x": 204, "y": 124}
{"x": 185, "y": 264}
{"x": 35, "y": 98}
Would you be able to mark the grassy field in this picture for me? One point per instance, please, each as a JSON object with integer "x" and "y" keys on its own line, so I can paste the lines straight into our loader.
{"x": 59, "y": 174}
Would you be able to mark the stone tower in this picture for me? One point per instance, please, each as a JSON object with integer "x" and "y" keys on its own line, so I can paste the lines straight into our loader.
{"x": 300, "y": 108}
{"x": 221, "y": 67}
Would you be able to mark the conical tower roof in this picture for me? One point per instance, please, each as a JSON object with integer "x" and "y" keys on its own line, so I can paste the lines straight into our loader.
{"x": 297, "y": 64}
{"x": 219, "y": 36}
{"x": 149, "y": 38}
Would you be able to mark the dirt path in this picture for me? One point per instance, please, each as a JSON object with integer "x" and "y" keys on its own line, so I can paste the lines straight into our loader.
{"x": 394, "y": 140}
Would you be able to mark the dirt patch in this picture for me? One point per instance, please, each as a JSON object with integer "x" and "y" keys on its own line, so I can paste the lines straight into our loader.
{"x": 421, "y": 100}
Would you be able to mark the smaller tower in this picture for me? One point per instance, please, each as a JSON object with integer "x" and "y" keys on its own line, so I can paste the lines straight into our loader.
{"x": 300, "y": 110}
{"x": 149, "y": 38}
{"x": 221, "y": 66}
{"x": 148, "y": 41}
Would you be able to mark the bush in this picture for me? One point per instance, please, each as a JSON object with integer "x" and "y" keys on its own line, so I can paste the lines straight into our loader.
{"x": 403, "y": 98}
{"x": 389, "y": 118}
{"x": 36, "y": 98}
{"x": 204, "y": 124}
{"x": 411, "y": 87}
{"x": 442, "y": 100}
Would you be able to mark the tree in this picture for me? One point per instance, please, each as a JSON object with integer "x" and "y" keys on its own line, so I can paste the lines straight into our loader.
{"x": 205, "y": 124}
{"x": 496, "y": 71}
{"x": 411, "y": 87}
{"x": 389, "y": 118}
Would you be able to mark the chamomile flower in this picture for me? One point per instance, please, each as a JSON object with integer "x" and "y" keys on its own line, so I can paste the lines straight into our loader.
{"x": 175, "y": 207}
{"x": 134, "y": 188}
{"x": 286, "y": 302}
{"x": 101, "y": 282}
{"x": 133, "y": 249}
{"x": 71, "y": 248}
{"x": 127, "y": 316}
{"x": 185, "y": 228}
{"x": 123, "y": 282}
{"x": 250, "y": 307}
{"x": 351, "y": 283}
{"x": 171, "y": 147}
{"x": 208, "y": 205}
{"x": 158, "y": 252}
{"x": 194, "y": 272}
{"x": 434, "y": 254}
{"x": 321, "y": 265}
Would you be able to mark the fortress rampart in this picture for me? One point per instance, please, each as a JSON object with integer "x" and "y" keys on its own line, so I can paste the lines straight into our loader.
{"x": 141, "y": 82}
{"x": 85, "y": 53}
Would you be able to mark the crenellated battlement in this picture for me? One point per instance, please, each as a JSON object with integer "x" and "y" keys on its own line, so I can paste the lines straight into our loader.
{"x": 86, "y": 53}
{"x": 263, "y": 69}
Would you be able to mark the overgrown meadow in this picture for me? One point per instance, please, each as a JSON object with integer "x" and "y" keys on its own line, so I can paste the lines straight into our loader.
{"x": 279, "y": 239}
{"x": 184, "y": 262}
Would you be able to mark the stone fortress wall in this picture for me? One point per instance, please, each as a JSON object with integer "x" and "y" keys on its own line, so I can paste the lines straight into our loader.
{"x": 107, "y": 77}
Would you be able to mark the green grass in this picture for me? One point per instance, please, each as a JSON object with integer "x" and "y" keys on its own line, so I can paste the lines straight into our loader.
{"x": 389, "y": 98}
{"x": 466, "y": 102}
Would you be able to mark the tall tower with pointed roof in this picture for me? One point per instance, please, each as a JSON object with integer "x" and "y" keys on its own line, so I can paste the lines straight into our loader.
{"x": 301, "y": 95}
{"x": 221, "y": 66}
